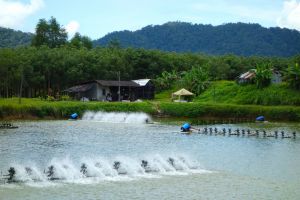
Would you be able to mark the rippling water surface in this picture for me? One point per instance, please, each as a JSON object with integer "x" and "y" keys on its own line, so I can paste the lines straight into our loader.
{"x": 96, "y": 160}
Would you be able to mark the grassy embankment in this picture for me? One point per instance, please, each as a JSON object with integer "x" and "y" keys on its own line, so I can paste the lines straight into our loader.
{"x": 224, "y": 99}
{"x": 36, "y": 108}
{"x": 229, "y": 92}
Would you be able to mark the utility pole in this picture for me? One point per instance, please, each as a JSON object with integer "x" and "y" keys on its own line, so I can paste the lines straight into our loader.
{"x": 214, "y": 93}
{"x": 119, "y": 91}
{"x": 214, "y": 90}
{"x": 21, "y": 86}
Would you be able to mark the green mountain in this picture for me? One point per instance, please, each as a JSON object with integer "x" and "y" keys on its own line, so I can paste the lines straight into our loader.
{"x": 12, "y": 38}
{"x": 236, "y": 38}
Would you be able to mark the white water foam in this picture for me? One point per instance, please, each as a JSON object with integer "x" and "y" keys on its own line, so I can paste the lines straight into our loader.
{"x": 95, "y": 170}
{"x": 26, "y": 173}
{"x": 117, "y": 117}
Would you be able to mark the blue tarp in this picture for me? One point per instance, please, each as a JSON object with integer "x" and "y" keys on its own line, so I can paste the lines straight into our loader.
{"x": 74, "y": 116}
{"x": 260, "y": 118}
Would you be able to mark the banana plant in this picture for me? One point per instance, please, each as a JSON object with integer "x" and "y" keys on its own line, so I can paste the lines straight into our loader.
{"x": 263, "y": 75}
{"x": 293, "y": 76}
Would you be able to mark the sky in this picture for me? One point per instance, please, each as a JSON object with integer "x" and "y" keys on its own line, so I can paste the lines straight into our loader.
{"x": 96, "y": 18}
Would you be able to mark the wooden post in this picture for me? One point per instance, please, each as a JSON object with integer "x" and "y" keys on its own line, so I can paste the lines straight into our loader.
{"x": 21, "y": 87}
{"x": 119, "y": 91}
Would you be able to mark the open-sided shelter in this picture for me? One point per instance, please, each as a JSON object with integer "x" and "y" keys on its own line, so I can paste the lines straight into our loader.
{"x": 181, "y": 94}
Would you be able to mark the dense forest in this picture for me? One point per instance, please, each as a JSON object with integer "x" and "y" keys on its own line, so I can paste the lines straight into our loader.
{"x": 46, "y": 70}
{"x": 12, "y": 38}
{"x": 233, "y": 38}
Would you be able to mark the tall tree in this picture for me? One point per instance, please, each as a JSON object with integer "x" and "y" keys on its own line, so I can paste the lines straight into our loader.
{"x": 41, "y": 34}
{"x": 79, "y": 41}
{"x": 49, "y": 33}
{"x": 8, "y": 67}
{"x": 57, "y": 34}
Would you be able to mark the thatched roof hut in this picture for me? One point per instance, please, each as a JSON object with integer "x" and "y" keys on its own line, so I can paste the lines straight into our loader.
{"x": 182, "y": 92}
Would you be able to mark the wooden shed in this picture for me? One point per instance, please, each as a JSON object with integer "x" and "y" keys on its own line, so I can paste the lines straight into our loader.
{"x": 146, "y": 89}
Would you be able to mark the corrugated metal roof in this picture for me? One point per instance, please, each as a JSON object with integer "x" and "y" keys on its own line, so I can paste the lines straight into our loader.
{"x": 142, "y": 82}
{"x": 247, "y": 75}
{"x": 89, "y": 84}
{"x": 244, "y": 75}
{"x": 250, "y": 75}
{"x": 80, "y": 88}
{"x": 117, "y": 83}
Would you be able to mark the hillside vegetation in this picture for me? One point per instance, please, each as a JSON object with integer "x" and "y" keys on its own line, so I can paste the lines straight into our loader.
{"x": 236, "y": 38}
{"x": 230, "y": 92}
{"x": 11, "y": 38}
{"x": 233, "y": 38}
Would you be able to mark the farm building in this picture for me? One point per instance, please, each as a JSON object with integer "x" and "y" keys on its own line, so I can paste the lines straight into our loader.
{"x": 145, "y": 90}
{"x": 249, "y": 76}
{"x": 104, "y": 90}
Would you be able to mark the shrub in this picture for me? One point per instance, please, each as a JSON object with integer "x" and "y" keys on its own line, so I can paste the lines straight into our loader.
{"x": 65, "y": 98}
{"x": 50, "y": 98}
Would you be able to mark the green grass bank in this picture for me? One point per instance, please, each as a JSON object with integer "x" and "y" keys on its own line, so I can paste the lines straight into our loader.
{"x": 36, "y": 108}
{"x": 229, "y": 92}
{"x": 227, "y": 99}
{"x": 41, "y": 109}
{"x": 223, "y": 111}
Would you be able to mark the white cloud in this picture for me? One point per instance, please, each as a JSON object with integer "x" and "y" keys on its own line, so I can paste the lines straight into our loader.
{"x": 290, "y": 15}
{"x": 72, "y": 27}
{"x": 13, "y": 13}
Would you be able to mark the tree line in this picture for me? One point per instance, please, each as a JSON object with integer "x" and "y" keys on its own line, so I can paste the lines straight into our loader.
{"x": 46, "y": 71}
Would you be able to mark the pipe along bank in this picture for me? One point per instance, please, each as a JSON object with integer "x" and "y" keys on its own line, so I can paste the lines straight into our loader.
{"x": 243, "y": 132}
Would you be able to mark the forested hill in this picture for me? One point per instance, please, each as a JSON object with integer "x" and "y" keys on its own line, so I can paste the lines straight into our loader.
{"x": 236, "y": 38}
{"x": 12, "y": 38}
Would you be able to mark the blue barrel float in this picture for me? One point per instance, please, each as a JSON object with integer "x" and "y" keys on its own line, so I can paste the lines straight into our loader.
{"x": 74, "y": 116}
{"x": 185, "y": 127}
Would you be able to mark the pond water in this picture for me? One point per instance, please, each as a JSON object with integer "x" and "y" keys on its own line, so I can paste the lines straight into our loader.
{"x": 92, "y": 159}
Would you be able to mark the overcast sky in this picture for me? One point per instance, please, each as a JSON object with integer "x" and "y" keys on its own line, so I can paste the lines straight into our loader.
{"x": 96, "y": 18}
